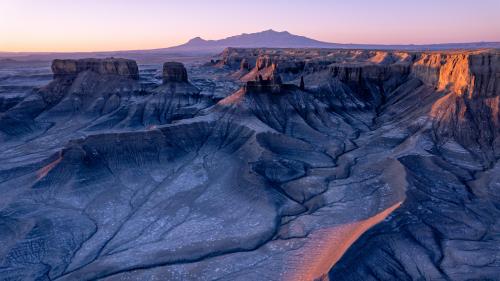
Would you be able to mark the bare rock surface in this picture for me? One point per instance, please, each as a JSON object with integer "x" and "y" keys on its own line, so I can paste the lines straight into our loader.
{"x": 174, "y": 72}
{"x": 340, "y": 164}
{"x": 111, "y": 66}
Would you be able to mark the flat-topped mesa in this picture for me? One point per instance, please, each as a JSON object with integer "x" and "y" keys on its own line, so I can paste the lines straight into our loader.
{"x": 70, "y": 68}
{"x": 174, "y": 72}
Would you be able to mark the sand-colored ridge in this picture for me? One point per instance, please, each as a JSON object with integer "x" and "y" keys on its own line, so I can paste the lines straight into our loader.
{"x": 326, "y": 246}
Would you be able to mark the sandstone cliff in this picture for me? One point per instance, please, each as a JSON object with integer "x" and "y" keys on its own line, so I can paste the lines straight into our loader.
{"x": 110, "y": 66}
{"x": 469, "y": 111}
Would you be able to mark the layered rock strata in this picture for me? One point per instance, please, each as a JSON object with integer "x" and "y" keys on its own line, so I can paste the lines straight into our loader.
{"x": 111, "y": 66}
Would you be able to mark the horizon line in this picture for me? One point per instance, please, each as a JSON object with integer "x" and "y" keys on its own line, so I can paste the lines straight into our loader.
{"x": 247, "y": 33}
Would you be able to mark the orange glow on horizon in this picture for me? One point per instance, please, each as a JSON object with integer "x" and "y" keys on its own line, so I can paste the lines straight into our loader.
{"x": 78, "y": 46}
{"x": 112, "y": 25}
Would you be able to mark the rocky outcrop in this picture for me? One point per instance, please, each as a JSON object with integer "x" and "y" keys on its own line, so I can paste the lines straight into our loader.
{"x": 444, "y": 72}
{"x": 473, "y": 74}
{"x": 69, "y": 68}
{"x": 174, "y": 72}
{"x": 470, "y": 121}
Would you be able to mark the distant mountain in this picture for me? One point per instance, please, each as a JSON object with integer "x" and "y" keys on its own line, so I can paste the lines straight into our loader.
{"x": 284, "y": 39}
{"x": 264, "y": 39}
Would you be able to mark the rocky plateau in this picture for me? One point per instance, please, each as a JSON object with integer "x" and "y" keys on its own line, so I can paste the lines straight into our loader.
{"x": 262, "y": 164}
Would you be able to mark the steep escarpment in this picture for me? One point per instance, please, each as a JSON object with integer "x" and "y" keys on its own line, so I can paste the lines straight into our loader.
{"x": 470, "y": 73}
{"x": 469, "y": 111}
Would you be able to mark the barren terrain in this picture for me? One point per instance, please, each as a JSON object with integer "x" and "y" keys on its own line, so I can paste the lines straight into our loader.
{"x": 261, "y": 164}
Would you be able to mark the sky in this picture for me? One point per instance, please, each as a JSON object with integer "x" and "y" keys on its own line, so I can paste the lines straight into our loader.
{"x": 106, "y": 25}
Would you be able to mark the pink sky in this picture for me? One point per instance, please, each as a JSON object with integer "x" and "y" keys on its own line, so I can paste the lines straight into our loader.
{"x": 101, "y": 25}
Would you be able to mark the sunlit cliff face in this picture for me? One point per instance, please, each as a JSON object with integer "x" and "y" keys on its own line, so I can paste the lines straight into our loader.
{"x": 469, "y": 107}
{"x": 468, "y": 73}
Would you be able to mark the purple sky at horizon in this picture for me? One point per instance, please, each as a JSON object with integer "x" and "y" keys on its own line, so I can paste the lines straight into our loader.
{"x": 104, "y": 25}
